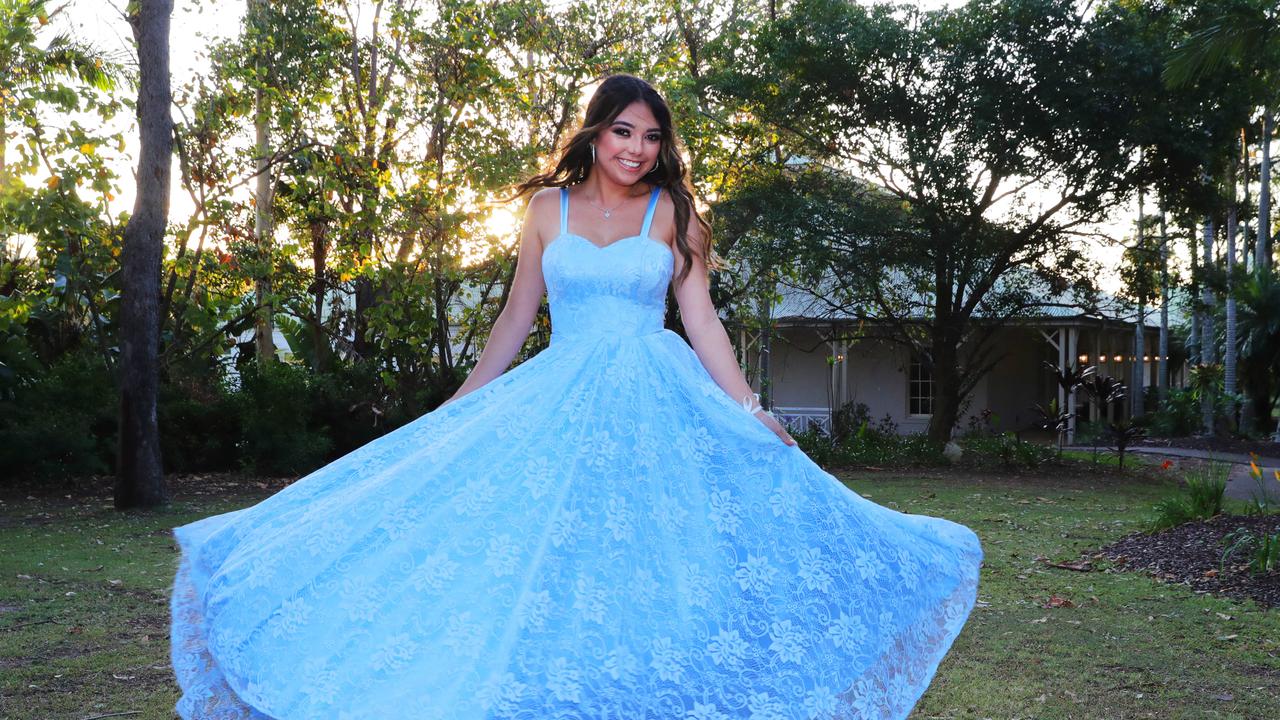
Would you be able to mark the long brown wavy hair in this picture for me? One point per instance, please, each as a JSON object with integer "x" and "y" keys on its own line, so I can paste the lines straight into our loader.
{"x": 574, "y": 162}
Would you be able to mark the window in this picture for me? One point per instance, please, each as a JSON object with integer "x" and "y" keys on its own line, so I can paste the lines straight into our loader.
{"x": 919, "y": 389}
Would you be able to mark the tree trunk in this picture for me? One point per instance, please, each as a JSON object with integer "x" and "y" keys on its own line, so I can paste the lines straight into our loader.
{"x": 946, "y": 385}
{"x": 1208, "y": 356}
{"x": 1229, "y": 353}
{"x": 1262, "y": 250}
{"x": 1137, "y": 407}
{"x": 140, "y": 472}
{"x": 1197, "y": 317}
{"x": 263, "y": 228}
{"x": 319, "y": 262}
{"x": 1162, "y": 374}
{"x": 1247, "y": 252}
{"x": 360, "y": 317}
{"x": 766, "y": 350}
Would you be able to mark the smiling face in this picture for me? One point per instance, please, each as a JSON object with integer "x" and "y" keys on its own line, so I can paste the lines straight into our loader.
{"x": 627, "y": 150}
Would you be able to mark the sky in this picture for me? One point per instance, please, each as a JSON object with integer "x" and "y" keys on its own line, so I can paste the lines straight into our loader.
{"x": 195, "y": 25}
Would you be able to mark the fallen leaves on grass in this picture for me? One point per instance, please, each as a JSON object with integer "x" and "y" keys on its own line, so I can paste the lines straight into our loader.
{"x": 1078, "y": 565}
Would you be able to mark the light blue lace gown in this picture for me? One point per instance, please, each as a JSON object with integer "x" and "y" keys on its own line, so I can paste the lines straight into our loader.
{"x": 600, "y": 532}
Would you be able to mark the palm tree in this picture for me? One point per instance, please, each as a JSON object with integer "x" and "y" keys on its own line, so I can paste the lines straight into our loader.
{"x": 1162, "y": 374}
{"x": 1208, "y": 338}
{"x": 1242, "y": 34}
{"x": 1259, "y": 298}
{"x": 1230, "y": 353}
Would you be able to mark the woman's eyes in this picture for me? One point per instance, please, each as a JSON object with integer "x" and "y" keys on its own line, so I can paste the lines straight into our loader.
{"x": 623, "y": 132}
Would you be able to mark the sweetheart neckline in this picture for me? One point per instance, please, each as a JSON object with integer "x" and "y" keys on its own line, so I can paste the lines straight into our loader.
{"x": 602, "y": 248}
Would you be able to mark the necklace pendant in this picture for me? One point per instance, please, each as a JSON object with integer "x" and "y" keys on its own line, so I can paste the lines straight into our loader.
{"x": 606, "y": 214}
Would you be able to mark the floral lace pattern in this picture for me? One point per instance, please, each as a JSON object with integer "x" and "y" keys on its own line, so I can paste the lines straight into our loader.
{"x": 600, "y": 532}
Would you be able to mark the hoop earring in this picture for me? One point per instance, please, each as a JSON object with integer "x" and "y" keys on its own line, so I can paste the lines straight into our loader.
{"x": 656, "y": 164}
{"x": 593, "y": 153}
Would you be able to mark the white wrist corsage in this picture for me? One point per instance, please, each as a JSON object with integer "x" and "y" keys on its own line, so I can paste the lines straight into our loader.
{"x": 751, "y": 403}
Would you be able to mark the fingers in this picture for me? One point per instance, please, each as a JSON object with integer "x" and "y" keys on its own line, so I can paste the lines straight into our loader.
{"x": 781, "y": 431}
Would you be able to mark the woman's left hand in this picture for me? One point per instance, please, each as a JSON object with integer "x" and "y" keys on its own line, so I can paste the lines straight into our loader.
{"x": 772, "y": 423}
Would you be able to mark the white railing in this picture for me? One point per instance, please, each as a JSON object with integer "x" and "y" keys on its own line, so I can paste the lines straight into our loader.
{"x": 799, "y": 419}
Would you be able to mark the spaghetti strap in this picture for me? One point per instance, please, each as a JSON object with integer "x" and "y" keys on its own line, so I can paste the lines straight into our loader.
{"x": 564, "y": 211}
{"x": 648, "y": 214}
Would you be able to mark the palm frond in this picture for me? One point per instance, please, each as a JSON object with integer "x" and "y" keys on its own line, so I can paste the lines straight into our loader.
{"x": 1236, "y": 36}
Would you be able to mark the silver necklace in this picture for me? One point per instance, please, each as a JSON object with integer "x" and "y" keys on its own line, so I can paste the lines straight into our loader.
{"x": 608, "y": 211}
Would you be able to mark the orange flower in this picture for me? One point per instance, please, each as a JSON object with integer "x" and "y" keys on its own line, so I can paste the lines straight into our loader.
{"x": 1166, "y": 464}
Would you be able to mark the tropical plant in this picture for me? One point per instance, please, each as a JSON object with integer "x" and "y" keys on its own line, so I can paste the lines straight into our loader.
{"x": 1122, "y": 434}
{"x": 1265, "y": 555}
{"x": 1206, "y": 385}
{"x": 1103, "y": 390}
{"x": 1259, "y": 298}
{"x": 1260, "y": 498}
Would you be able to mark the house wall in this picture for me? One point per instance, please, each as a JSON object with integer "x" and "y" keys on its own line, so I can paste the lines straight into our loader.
{"x": 877, "y": 372}
{"x": 876, "y": 375}
{"x": 1019, "y": 380}
{"x": 799, "y": 369}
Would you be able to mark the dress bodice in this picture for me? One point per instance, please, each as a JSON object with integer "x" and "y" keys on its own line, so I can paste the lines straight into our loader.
{"x": 614, "y": 289}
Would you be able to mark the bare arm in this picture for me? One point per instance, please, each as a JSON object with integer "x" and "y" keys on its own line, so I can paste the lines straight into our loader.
{"x": 707, "y": 335}
{"x": 515, "y": 320}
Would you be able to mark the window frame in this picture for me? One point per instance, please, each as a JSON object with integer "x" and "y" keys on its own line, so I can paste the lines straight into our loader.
{"x": 912, "y": 382}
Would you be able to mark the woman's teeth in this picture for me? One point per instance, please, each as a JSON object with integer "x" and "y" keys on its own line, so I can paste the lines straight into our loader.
{"x": 629, "y": 164}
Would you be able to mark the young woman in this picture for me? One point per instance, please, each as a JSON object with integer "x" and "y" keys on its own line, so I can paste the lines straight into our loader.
{"x": 611, "y": 529}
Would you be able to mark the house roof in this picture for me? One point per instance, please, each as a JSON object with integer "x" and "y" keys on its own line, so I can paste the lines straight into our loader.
{"x": 802, "y": 304}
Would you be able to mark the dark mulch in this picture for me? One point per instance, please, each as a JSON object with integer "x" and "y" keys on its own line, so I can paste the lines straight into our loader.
{"x": 1190, "y": 554}
{"x": 1263, "y": 448}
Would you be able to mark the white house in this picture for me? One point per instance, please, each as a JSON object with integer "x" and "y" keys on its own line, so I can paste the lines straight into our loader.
{"x": 814, "y": 367}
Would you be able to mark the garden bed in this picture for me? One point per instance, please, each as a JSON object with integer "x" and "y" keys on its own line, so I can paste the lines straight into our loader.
{"x": 1191, "y": 554}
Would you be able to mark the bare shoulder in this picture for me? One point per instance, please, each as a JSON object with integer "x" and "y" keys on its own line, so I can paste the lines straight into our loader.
{"x": 543, "y": 213}
{"x": 541, "y": 202}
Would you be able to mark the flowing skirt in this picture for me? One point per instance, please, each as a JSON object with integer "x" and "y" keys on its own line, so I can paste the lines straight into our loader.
{"x": 600, "y": 532}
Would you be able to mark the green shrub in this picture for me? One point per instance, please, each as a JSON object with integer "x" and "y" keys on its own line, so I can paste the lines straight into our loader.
{"x": 62, "y": 423}
{"x": 279, "y": 437}
{"x": 871, "y": 446}
{"x": 1206, "y": 488}
{"x": 1004, "y": 450}
{"x": 1201, "y": 500}
{"x": 1171, "y": 512}
{"x": 1089, "y": 432}
{"x": 350, "y": 404}
{"x": 1179, "y": 416}
{"x": 200, "y": 423}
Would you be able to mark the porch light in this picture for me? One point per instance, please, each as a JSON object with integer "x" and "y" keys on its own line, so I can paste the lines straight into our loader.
{"x": 1084, "y": 359}
{"x": 1118, "y": 358}
{"x": 1146, "y": 358}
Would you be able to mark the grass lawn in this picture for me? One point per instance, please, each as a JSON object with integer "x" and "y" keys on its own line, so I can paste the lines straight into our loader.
{"x": 84, "y": 606}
